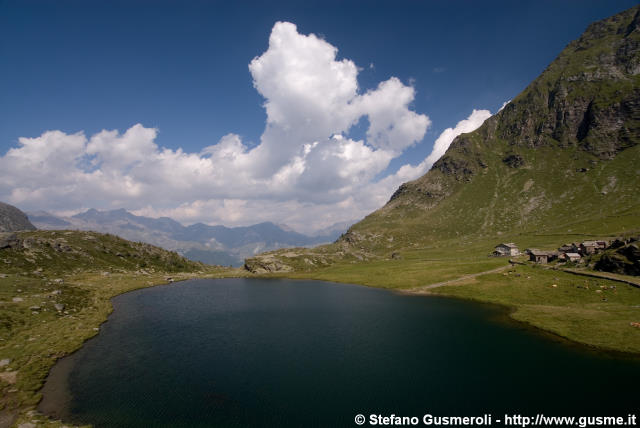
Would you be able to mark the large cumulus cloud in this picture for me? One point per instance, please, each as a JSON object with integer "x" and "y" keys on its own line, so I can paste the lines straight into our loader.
{"x": 306, "y": 171}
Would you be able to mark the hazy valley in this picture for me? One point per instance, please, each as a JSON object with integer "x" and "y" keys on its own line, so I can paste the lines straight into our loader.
{"x": 215, "y": 245}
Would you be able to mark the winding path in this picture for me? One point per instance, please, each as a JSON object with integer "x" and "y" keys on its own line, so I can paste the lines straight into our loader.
{"x": 602, "y": 275}
{"x": 450, "y": 281}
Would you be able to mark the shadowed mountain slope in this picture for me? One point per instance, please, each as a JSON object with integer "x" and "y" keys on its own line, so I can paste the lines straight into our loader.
{"x": 562, "y": 158}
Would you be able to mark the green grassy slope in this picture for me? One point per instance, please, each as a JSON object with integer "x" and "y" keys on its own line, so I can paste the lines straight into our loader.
{"x": 593, "y": 311}
{"x": 55, "y": 290}
{"x": 550, "y": 196}
{"x": 560, "y": 163}
{"x": 562, "y": 157}
{"x": 66, "y": 251}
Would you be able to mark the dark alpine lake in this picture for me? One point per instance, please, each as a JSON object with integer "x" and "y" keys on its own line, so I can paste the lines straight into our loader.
{"x": 288, "y": 353}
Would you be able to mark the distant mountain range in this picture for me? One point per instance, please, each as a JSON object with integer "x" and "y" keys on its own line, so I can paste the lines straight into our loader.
{"x": 209, "y": 244}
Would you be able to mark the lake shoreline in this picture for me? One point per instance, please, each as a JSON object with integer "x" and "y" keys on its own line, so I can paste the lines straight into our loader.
{"x": 501, "y": 314}
{"x": 28, "y": 390}
{"x": 506, "y": 310}
{"x": 571, "y": 310}
{"x": 510, "y": 310}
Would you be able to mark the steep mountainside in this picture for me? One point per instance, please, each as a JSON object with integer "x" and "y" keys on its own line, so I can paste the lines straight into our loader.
{"x": 210, "y": 244}
{"x": 563, "y": 156}
{"x": 561, "y": 159}
{"x": 12, "y": 219}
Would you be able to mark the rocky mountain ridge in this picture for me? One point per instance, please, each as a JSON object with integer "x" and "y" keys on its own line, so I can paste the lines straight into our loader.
{"x": 13, "y": 220}
{"x": 570, "y": 123}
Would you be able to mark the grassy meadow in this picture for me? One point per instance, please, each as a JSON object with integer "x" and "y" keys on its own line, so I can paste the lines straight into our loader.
{"x": 82, "y": 271}
{"x": 79, "y": 272}
{"x": 593, "y": 311}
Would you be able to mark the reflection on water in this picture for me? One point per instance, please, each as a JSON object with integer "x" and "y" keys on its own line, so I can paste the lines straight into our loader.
{"x": 262, "y": 352}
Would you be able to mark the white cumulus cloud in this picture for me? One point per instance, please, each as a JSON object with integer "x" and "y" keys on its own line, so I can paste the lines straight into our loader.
{"x": 311, "y": 95}
{"x": 306, "y": 171}
{"x": 443, "y": 142}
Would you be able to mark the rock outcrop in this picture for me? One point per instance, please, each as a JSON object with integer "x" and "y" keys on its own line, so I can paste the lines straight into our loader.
{"x": 623, "y": 259}
{"x": 587, "y": 98}
{"x": 9, "y": 240}
{"x": 266, "y": 264}
{"x": 13, "y": 220}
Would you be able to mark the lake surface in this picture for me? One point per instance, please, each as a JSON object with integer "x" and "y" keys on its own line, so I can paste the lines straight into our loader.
{"x": 263, "y": 352}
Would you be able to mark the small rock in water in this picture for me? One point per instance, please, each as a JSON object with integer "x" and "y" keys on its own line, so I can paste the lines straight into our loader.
{"x": 34, "y": 308}
{"x": 56, "y": 292}
{"x": 17, "y": 299}
{"x": 27, "y": 425}
{"x": 5, "y": 362}
{"x": 59, "y": 307}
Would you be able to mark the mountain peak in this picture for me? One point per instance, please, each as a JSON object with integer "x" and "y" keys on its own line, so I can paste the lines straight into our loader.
{"x": 566, "y": 146}
{"x": 13, "y": 220}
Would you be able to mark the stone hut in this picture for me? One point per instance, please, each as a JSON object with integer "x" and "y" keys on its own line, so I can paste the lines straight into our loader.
{"x": 539, "y": 256}
{"x": 508, "y": 249}
{"x": 588, "y": 247}
{"x": 572, "y": 257}
{"x": 568, "y": 248}
{"x": 601, "y": 245}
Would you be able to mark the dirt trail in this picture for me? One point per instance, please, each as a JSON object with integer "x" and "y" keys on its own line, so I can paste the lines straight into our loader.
{"x": 604, "y": 275}
{"x": 423, "y": 288}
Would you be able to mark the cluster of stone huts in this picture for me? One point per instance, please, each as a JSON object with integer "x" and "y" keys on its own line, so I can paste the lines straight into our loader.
{"x": 569, "y": 252}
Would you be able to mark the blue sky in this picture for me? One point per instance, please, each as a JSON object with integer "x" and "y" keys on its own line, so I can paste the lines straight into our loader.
{"x": 182, "y": 70}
